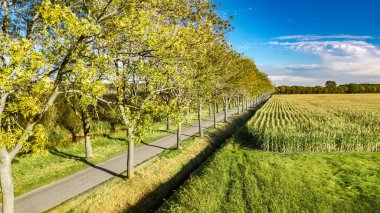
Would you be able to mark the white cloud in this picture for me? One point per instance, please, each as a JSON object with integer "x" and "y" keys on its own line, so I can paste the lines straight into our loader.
{"x": 319, "y": 37}
{"x": 292, "y": 79}
{"x": 303, "y": 67}
{"x": 356, "y": 58}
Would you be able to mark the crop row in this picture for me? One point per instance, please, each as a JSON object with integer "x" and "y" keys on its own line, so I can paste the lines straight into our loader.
{"x": 318, "y": 123}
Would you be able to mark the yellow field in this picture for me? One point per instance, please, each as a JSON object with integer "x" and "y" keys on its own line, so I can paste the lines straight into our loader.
{"x": 318, "y": 123}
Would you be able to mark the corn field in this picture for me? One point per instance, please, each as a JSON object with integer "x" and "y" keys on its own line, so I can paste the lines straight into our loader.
{"x": 320, "y": 123}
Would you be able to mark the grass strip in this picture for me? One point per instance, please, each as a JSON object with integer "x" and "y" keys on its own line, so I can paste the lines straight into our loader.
{"x": 156, "y": 178}
{"x": 32, "y": 171}
{"x": 260, "y": 181}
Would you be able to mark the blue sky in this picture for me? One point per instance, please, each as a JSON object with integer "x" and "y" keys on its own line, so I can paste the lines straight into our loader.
{"x": 304, "y": 42}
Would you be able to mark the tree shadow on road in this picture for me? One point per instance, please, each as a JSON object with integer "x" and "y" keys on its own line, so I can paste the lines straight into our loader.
{"x": 167, "y": 131}
{"x": 160, "y": 147}
{"x": 85, "y": 161}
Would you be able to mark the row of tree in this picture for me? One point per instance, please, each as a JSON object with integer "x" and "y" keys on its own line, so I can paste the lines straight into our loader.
{"x": 341, "y": 89}
{"x": 137, "y": 58}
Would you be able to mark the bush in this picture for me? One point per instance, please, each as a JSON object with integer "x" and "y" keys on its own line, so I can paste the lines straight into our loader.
{"x": 70, "y": 122}
{"x": 57, "y": 136}
{"x": 102, "y": 127}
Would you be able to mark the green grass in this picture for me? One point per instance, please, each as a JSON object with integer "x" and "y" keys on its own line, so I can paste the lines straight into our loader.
{"x": 33, "y": 171}
{"x": 154, "y": 179}
{"x": 238, "y": 179}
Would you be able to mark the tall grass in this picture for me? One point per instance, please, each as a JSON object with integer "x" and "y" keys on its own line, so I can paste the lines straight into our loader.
{"x": 237, "y": 179}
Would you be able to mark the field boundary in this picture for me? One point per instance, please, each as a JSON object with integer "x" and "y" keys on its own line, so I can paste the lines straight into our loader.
{"x": 218, "y": 139}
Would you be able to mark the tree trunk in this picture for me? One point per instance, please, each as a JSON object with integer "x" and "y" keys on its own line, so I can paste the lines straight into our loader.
{"x": 200, "y": 118}
{"x": 188, "y": 110}
{"x": 179, "y": 135}
{"x": 209, "y": 109}
{"x": 87, "y": 138}
{"x": 6, "y": 158}
{"x": 242, "y": 104}
{"x": 88, "y": 146}
{"x": 6, "y": 182}
{"x": 3, "y": 100}
{"x": 131, "y": 143}
{"x": 215, "y": 114}
{"x": 131, "y": 153}
{"x": 167, "y": 122}
{"x": 238, "y": 105}
{"x": 225, "y": 111}
{"x": 217, "y": 108}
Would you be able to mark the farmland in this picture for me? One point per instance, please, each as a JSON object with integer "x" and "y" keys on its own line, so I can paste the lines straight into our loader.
{"x": 318, "y": 123}
{"x": 299, "y": 153}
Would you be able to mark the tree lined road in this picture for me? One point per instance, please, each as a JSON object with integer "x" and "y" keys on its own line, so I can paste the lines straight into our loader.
{"x": 49, "y": 196}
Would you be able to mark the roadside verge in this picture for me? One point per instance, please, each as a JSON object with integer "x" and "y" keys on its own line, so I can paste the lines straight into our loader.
{"x": 156, "y": 178}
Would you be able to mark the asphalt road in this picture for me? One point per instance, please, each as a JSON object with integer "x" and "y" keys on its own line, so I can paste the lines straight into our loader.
{"x": 49, "y": 196}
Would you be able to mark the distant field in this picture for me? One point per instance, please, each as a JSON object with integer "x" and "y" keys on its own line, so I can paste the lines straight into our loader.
{"x": 324, "y": 160}
{"x": 318, "y": 123}
{"x": 238, "y": 180}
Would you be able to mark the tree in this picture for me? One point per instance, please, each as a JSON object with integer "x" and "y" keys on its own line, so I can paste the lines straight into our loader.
{"x": 330, "y": 84}
{"x": 217, "y": 56}
{"x": 138, "y": 50}
{"x": 189, "y": 81}
{"x": 143, "y": 64}
{"x": 83, "y": 86}
{"x": 41, "y": 43}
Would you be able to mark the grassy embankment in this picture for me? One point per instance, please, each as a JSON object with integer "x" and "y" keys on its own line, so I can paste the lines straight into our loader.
{"x": 238, "y": 179}
{"x": 156, "y": 178}
{"x": 33, "y": 171}
{"x": 241, "y": 178}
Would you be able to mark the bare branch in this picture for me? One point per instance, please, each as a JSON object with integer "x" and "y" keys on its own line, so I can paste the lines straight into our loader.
{"x": 104, "y": 10}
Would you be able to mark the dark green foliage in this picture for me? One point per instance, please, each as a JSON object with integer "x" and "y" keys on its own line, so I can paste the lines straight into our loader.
{"x": 57, "y": 137}
{"x": 330, "y": 84}
{"x": 330, "y": 89}
{"x": 70, "y": 122}
{"x": 100, "y": 127}
{"x": 63, "y": 125}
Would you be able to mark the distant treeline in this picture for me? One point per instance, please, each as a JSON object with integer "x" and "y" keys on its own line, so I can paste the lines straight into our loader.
{"x": 341, "y": 89}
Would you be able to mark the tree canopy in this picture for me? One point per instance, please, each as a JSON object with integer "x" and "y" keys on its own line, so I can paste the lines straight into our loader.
{"x": 134, "y": 52}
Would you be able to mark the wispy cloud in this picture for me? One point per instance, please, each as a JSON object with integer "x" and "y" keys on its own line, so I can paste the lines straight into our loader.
{"x": 348, "y": 57}
{"x": 292, "y": 79}
{"x": 320, "y": 37}
{"x": 304, "y": 67}
{"x": 343, "y": 58}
